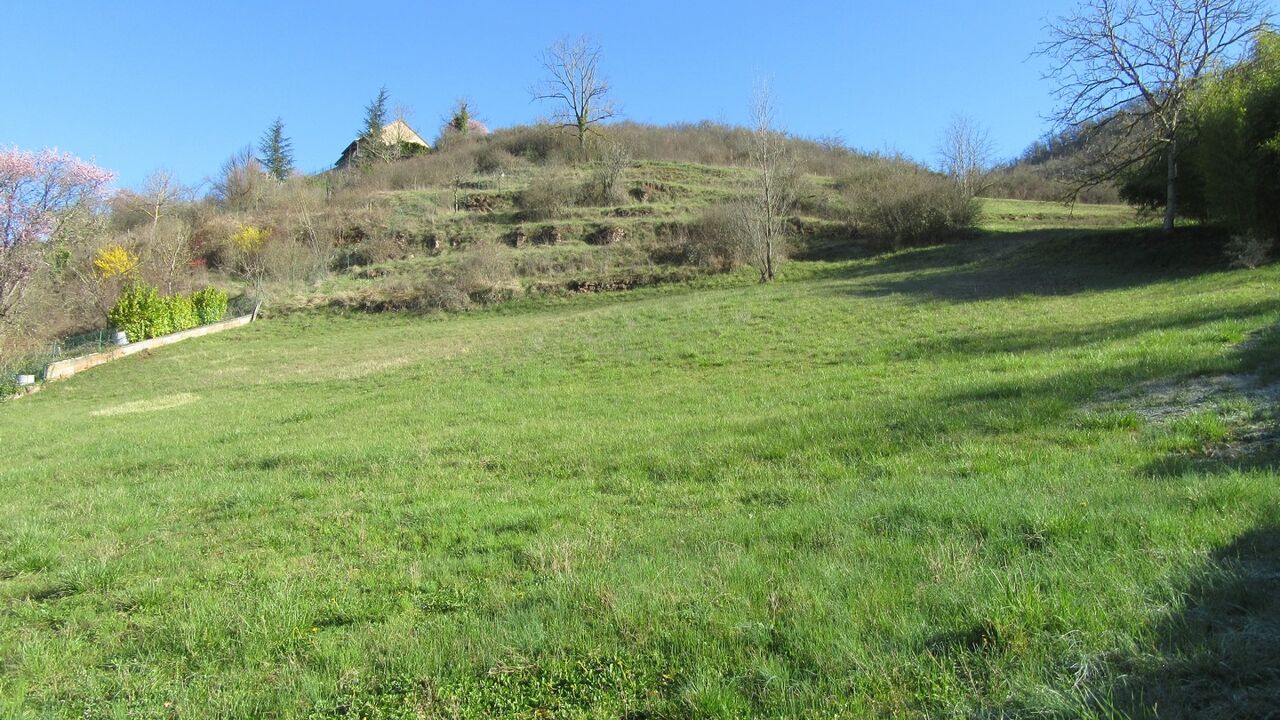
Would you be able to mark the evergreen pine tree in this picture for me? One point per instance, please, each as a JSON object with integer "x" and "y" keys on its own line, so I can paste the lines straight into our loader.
{"x": 461, "y": 121}
{"x": 370, "y": 146}
{"x": 277, "y": 151}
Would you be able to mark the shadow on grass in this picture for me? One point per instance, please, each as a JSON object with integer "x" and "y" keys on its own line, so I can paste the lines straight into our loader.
{"x": 1254, "y": 440}
{"x": 998, "y": 265}
{"x": 1050, "y": 337}
{"x": 1074, "y": 387}
{"x": 1257, "y": 450}
{"x": 1220, "y": 656}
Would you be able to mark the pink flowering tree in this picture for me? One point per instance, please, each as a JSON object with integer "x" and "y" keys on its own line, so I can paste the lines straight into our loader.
{"x": 38, "y": 190}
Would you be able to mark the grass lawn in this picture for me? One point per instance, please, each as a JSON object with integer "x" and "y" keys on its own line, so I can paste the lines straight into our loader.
{"x": 927, "y": 483}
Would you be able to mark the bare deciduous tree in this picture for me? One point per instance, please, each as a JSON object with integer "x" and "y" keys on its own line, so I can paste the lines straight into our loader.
{"x": 764, "y": 213}
{"x": 167, "y": 247}
{"x": 169, "y": 251}
{"x": 965, "y": 154}
{"x": 606, "y": 179}
{"x": 239, "y": 181}
{"x": 1124, "y": 70}
{"x": 160, "y": 193}
{"x": 457, "y": 168}
{"x": 576, "y": 87}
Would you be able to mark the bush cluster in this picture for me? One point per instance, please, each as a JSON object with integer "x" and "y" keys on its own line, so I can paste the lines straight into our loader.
{"x": 547, "y": 198}
{"x": 1045, "y": 181}
{"x": 290, "y": 234}
{"x": 903, "y": 204}
{"x": 142, "y": 312}
{"x": 210, "y": 305}
{"x": 713, "y": 239}
{"x": 482, "y": 275}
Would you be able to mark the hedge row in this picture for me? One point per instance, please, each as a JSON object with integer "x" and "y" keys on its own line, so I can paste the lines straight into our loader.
{"x": 142, "y": 312}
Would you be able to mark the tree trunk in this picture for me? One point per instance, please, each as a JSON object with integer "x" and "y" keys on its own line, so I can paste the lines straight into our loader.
{"x": 1171, "y": 190}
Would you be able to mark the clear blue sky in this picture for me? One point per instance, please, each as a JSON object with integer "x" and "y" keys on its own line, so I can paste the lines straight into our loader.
{"x": 144, "y": 84}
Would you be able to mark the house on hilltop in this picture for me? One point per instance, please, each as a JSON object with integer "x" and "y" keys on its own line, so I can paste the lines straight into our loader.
{"x": 396, "y": 134}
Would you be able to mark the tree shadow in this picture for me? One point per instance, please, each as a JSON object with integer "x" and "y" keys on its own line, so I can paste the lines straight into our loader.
{"x": 1219, "y": 657}
{"x": 999, "y": 265}
{"x": 1253, "y": 442}
{"x": 1255, "y": 449}
{"x": 1054, "y": 338}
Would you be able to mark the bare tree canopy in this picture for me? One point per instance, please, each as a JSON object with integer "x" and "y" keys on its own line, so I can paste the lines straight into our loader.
{"x": 161, "y": 191}
{"x": 575, "y": 86}
{"x": 238, "y": 181}
{"x": 1124, "y": 69}
{"x": 765, "y": 211}
{"x": 966, "y": 153}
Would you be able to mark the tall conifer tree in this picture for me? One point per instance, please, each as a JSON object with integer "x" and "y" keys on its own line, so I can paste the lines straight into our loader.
{"x": 277, "y": 151}
{"x": 371, "y": 147}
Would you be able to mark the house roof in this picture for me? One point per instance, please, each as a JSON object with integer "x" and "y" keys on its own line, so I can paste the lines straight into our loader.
{"x": 393, "y": 133}
{"x": 398, "y": 131}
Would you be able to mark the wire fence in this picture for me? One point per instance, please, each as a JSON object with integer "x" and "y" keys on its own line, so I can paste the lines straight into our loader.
{"x": 34, "y": 362}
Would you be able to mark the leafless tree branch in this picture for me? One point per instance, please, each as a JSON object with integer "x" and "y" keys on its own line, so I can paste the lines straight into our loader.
{"x": 1123, "y": 71}
{"x": 576, "y": 87}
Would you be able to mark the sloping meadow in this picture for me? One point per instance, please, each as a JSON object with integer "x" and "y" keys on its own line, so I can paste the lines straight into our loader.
{"x": 905, "y": 484}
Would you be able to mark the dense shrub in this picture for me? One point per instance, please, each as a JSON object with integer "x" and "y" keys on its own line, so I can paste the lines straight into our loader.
{"x": 142, "y": 312}
{"x": 241, "y": 183}
{"x": 903, "y": 204}
{"x": 1047, "y": 181}
{"x": 546, "y": 198}
{"x": 1248, "y": 250}
{"x": 182, "y": 312}
{"x": 379, "y": 247}
{"x": 210, "y": 305}
{"x": 713, "y": 239}
{"x": 707, "y": 143}
{"x": 480, "y": 275}
{"x": 603, "y": 185}
{"x": 485, "y": 273}
{"x": 491, "y": 160}
{"x": 438, "y": 169}
{"x": 416, "y": 293}
{"x": 540, "y": 144}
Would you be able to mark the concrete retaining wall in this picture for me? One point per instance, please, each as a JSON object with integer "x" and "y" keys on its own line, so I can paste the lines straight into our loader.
{"x": 66, "y": 368}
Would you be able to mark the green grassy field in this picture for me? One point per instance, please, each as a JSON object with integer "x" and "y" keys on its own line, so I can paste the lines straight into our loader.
{"x": 948, "y": 481}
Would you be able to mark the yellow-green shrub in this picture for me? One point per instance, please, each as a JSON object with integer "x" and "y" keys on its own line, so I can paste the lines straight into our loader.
{"x": 182, "y": 313}
{"x": 142, "y": 312}
{"x": 210, "y": 305}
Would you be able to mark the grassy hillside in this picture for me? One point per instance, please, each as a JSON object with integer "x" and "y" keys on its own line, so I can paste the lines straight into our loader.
{"x": 660, "y": 198}
{"x": 1024, "y": 474}
{"x": 536, "y": 239}
{"x": 477, "y": 221}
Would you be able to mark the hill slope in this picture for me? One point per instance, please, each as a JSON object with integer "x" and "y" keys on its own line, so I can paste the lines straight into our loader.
{"x": 918, "y": 482}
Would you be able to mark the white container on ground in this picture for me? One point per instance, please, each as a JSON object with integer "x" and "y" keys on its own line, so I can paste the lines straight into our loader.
{"x": 25, "y": 380}
{"x": 120, "y": 338}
